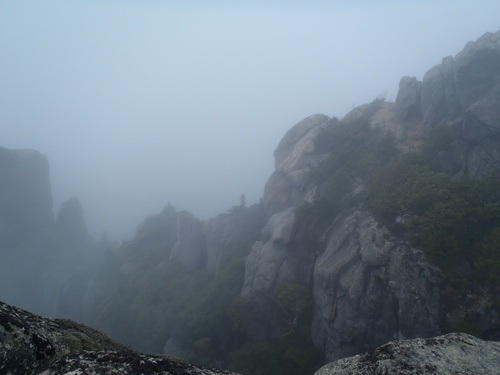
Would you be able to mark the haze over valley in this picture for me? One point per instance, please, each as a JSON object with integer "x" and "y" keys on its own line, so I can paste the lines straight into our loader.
{"x": 273, "y": 188}
{"x": 137, "y": 104}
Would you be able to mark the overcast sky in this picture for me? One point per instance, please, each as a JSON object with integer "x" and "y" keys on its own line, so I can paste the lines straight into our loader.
{"x": 141, "y": 103}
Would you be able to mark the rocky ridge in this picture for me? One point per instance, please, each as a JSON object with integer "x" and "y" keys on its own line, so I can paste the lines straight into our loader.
{"x": 368, "y": 286}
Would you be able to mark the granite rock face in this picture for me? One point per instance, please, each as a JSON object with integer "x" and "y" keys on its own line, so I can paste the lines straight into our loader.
{"x": 368, "y": 286}
{"x": 31, "y": 344}
{"x": 450, "y": 354}
{"x": 295, "y": 158}
{"x": 454, "y": 87}
{"x": 462, "y": 92}
{"x": 371, "y": 289}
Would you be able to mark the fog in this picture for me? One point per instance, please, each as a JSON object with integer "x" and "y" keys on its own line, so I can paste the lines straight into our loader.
{"x": 141, "y": 103}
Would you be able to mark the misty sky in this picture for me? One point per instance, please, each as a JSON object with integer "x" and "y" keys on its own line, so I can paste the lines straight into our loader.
{"x": 140, "y": 103}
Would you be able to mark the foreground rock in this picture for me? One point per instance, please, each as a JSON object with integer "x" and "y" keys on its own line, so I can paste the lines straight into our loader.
{"x": 30, "y": 344}
{"x": 455, "y": 353}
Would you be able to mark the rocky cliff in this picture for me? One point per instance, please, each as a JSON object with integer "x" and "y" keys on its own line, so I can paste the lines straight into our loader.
{"x": 369, "y": 284}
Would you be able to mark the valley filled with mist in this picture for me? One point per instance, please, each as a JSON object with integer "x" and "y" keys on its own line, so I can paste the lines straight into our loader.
{"x": 183, "y": 194}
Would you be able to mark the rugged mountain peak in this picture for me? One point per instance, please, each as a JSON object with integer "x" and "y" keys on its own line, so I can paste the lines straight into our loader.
{"x": 368, "y": 285}
{"x": 455, "y": 87}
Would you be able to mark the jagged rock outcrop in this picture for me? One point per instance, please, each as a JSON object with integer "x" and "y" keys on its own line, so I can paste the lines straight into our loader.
{"x": 295, "y": 158}
{"x": 31, "y": 344}
{"x": 450, "y": 354}
{"x": 456, "y": 86}
{"x": 463, "y": 92}
{"x": 297, "y": 155}
{"x": 368, "y": 286}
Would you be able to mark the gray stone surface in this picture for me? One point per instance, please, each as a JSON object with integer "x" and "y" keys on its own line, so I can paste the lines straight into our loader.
{"x": 408, "y": 99}
{"x": 452, "y": 354}
{"x": 369, "y": 289}
{"x": 108, "y": 362}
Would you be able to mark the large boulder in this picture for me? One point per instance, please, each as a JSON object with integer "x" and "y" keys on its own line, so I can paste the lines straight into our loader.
{"x": 452, "y": 354}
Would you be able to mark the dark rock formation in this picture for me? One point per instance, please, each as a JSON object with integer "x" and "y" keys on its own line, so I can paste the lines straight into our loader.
{"x": 108, "y": 362}
{"x": 70, "y": 219}
{"x": 38, "y": 254}
{"x": 25, "y": 195}
{"x": 26, "y": 222}
{"x": 31, "y": 344}
{"x": 451, "y": 354}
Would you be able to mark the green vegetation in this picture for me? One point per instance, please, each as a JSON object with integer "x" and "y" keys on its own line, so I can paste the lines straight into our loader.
{"x": 456, "y": 223}
{"x": 357, "y": 152}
